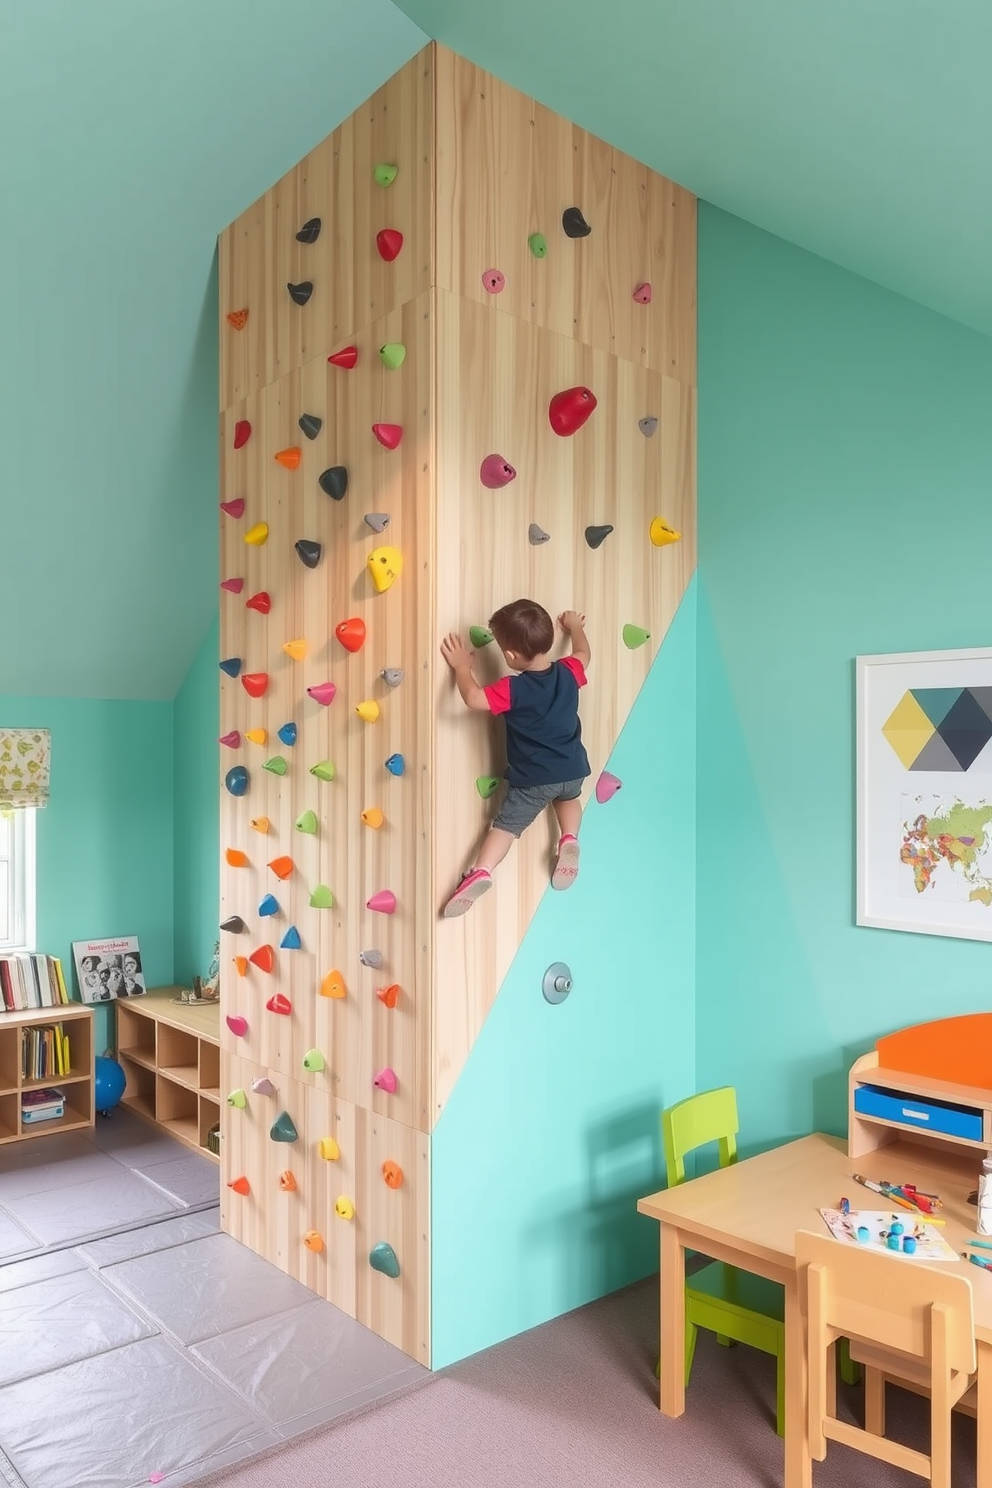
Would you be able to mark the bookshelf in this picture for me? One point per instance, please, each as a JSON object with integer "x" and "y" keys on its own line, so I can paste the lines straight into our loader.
{"x": 170, "y": 1052}
{"x": 77, "y": 1085}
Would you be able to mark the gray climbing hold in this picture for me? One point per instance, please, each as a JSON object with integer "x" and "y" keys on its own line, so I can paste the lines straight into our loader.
{"x": 574, "y": 225}
{"x": 537, "y": 535}
{"x": 300, "y": 293}
{"x": 308, "y": 552}
{"x": 378, "y": 521}
{"x": 310, "y": 231}
{"x": 648, "y": 426}
{"x": 334, "y": 482}
{"x": 382, "y": 1257}
{"x": 596, "y": 536}
{"x": 392, "y": 676}
{"x": 371, "y": 958}
{"x": 310, "y": 424}
{"x": 234, "y": 923}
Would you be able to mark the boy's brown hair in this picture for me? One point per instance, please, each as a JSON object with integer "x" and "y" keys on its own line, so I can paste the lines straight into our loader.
{"x": 524, "y": 627}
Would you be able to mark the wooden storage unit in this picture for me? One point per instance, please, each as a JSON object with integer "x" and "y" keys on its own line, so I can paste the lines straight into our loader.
{"x": 77, "y": 1086}
{"x": 171, "y": 1057}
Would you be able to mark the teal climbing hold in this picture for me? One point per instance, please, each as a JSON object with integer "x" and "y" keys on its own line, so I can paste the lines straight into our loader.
{"x": 236, "y": 780}
{"x": 276, "y": 764}
{"x": 382, "y": 1257}
{"x": 479, "y": 636}
{"x": 283, "y": 1128}
{"x": 291, "y": 940}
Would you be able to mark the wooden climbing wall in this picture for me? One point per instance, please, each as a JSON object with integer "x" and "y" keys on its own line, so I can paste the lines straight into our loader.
{"x": 480, "y": 170}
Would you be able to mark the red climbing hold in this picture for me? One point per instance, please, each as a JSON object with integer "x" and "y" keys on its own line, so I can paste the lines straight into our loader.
{"x": 279, "y": 1004}
{"x": 388, "y": 995}
{"x": 346, "y": 358}
{"x": 238, "y": 319}
{"x": 570, "y": 410}
{"x": 234, "y": 508}
{"x": 240, "y": 1186}
{"x": 388, "y": 434}
{"x": 389, "y": 242}
{"x": 351, "y": 634}
{"x": 264, "y": 958}
{"x": 232, "y": 740}
{"x": 255, "y": 683}
{"x": 495, "y": 472}
{"x": 642, "y": 294}
{"x": 260, "y": 602}
{"x": 233, "y": 586}
{"x": 242, "y": 433}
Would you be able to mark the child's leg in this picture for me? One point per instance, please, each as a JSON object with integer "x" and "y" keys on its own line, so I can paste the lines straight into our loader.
{"x": 519, "y": 808}
{"x": 494, "y": 849}
{"x": 569, "y": 814}
{"x": 568, "y": 810}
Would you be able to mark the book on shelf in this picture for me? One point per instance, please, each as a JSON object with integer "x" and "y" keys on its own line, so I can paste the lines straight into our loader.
{"x": 31, "y": 981}
{"x": 45, "y": 1052}
{"x": 42, "y": 1105}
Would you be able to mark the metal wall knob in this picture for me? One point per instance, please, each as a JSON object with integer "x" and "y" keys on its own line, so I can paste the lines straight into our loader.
{"x": 557, "y": 982}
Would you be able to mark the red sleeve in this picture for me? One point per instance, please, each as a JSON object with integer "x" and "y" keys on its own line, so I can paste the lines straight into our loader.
{"x": 498, "y": 695}
{"x": 576, "y": 668}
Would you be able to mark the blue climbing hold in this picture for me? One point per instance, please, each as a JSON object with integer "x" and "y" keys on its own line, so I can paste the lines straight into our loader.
{"x": 291, "y": 940}
{"x": 231, "y": 666}
{"x": 396, "y": 764}
{"x": 236, "y": 780}
{"x": 269, "y": 905}
{"x": 288, "y": 733}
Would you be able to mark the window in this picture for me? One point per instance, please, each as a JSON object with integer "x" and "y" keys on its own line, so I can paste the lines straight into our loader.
{"x": 17, "y": 880}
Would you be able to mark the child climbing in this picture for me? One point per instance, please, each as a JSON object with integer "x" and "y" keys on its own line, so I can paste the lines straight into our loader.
{"x": 546, "y": 759}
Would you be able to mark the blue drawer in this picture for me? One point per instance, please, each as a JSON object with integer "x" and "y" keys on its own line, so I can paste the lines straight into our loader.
{"x": 923, "y": 1115}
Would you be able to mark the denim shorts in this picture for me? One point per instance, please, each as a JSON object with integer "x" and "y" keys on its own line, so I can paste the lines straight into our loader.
{"x": 523, "y": 804}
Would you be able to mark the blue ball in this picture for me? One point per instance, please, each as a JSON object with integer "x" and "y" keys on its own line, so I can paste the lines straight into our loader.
{"x": 109, "y": 1084}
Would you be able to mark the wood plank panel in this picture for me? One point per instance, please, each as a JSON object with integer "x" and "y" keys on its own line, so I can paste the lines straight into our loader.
{"x": 508, "y": 167}
{"x": 352, "y": 285}
{"x": 495, "y": 378}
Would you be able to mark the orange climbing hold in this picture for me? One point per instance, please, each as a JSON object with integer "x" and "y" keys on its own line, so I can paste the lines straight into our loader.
{"x": 236, "y": 858}
{"x": 289, "y": 458}
{"x": 264, "y": 958}
{"x": 388, "y": 995}
{"x": 241, "y": 965}
{"x": 259, "y": 823}
{"x": 287, "y": 1182}
{"x": 313, "y": 1242}
{"x": 373, "y": 818}
{"x": 333, "y": 985}
{"x": 281, "y": 867}
{"x": 238, "y": 319}
{"x": 240, "y": 1185}
{"x": 351, "y": 633}
{"x": 392, "y": 1175}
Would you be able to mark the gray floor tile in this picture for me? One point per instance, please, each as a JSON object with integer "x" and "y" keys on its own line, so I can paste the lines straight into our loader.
{"x": 134, "y": 1142}
{"x": 59, "y": 1320}
{"x": 189, "y": 1179}
{"x": 14, "y": 1238}
{"x": 207, "y": 1287}
{"x": 55, "y": 1177}
{"x": 303, "y": 1368}
{"x": 159, "y": 1235}
{"x": 116, "y": 1419}
{"x": 39, "y": 1268}
{"x": 62, "y": 1214}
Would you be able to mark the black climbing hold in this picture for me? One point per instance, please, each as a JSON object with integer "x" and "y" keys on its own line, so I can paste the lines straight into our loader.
{"x": 310, "y": 231}
{"x": 310, "y": 424}
{"x": 309, "y": 552}
{"x": 596, "y": 536}
{"x": 335, "y": 482}
{"x": 300, "y": 293}
{"x": 574, "y": 225}
{"x": 235, "y": 924}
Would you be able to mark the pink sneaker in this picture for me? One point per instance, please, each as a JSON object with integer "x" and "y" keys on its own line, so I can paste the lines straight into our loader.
{"x": 472, "y": 887}
{"x": 566, "y": 863}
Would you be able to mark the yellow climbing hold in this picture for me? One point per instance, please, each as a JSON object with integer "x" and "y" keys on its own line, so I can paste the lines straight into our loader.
{"x": 373, "y": 817}
{"x": 257, "y": 736}
{"x": 329, "y": 1149}
{"x": 259, "y": 823}
{"x": 385, "y": 566}
{"x": 344, "y": 1208}
{"x": 661, "y": 534}
{"x": 258, "y": 534}
{"x": 296, "y": 649}
{"x": 368, "y": 711}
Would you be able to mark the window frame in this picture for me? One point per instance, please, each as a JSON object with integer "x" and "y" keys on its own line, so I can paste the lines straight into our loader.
{"x": 22, "y": 860}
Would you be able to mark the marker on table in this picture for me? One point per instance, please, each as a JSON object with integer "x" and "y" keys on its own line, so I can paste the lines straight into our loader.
{"x": 979, "y": 1244}
{"x": 978, "y": 1261}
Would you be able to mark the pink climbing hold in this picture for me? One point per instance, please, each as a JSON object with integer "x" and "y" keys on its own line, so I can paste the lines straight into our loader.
{"x": 642, "y": 294}
{"x": 493, "y": 281}
{"x": 323, "y": 692}
{"x": 495, "y": 472}
{"x": 242, "y": 433}
{"x": 238, "y": 1026}
{"x": 234, "y": 508}
{"x": 386, "y": 1080}
{"x": 384, "y": 901}
{"x": 232, "y": 740}
{"x": 607, "y": 786}
{"x": 388, "y": 435}
{"x": 233, "y": 586}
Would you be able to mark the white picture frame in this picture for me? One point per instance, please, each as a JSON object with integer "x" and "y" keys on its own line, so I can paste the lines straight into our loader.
{"x": 109, "y": 969}
{"x": 924, "y": 792}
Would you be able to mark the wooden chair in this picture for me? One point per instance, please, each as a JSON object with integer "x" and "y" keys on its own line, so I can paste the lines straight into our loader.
{"x": 907, "y": 1321}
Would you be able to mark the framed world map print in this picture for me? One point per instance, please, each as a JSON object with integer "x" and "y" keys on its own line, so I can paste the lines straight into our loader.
{"x": 924, "y": 807}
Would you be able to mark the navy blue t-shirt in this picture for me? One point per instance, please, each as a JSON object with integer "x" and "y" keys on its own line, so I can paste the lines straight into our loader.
{"x": 543, "y": 734}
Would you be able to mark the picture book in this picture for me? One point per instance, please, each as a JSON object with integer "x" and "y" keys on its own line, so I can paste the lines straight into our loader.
{"x": 873, "y": 1229}
{"x": 108, "y": 969}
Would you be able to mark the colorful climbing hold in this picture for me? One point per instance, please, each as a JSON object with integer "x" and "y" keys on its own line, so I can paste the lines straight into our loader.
{"x": 392, "y": 676}
{"x": 351, "y": 633}
{"x": 314, "y": 1061}
{"x": 280, "y": 1004}
{"x": 310, "y": 231}
{"x": 346, "y": 357}
{"x": 261, "y": 602}
{"x": 323, "y": 771}
{"x": 289, "y": 459}
{"x": 242, "y": 433}
{"x": 388, "y": 242}
{"x": 232, "y": 665}
{"x": 296, "y": 649}
{"x": 256, "y": 735}
{"x": 307, "y": 822}
{"x": 323, "y": 692}
{"x": 385, "y": 566}
{"x": 238, "y": 319}
{"x": 573, "y": 224}
{"x": 334, "y": 482}
{"x": 232, "y": 740}
{"x": 238, "y": 1100}
{"x": 634, "y": 636}
{"x": 382, "y": 1257}
{"x": 259, "y": 823}
{"x": 240, "y": 1185}
{"x": 569, "y": 410}
{"x": 388, "y": 435}
{"x": 344, "y": 1208}
{"x": 371, "y": 958}
{"x": 384, "y": 901}
{"x": 372, "y": 817}
{"x": 642, "y": 294}
{"x": 321, "y": 898}
{"x": 233, "y": 586}
{"x": 308, "y": 552}
{"x": 648, "y": 426}
{"x": 392, "y": 1175}
{"x": 378, "y": 521}
{"x": 480, "y": 636}
{"x": 234, "y": 924}
{"x": 537, "y": 535}
{"x": 263, "y": 1086}
{"x": 234, "y": 508}
{"x": 264, "y": 958}
{"x": 283, "y": 1128}
{"x": 300, "y": 293}
{"x": 328, "y": 1149}
{"x": 288, "y": 732}
{"x": 268, "y": 906}
{"x": 313, "y": 1241}
{"x": 291, "y": 940}
{"x": 236, "y": 780}
{"x": 493, "y": 281}
{"x": 257, "y": 535}
{"x": 237, "y": 1024}
{"x": 538, "y": 245}
{"x": 276, "y": 765}
{"x": 596, "y": 536}
{"x": 392, "y": 355}
{"x": 333, "y": 985}
{"x": 287, "y": 1182}
{"x": 386, "y": 1081}
{"x": 236, "y": 858}
{"x": 487, "y": 785}
{"x": 241, "y": 965}
{"x": 388, "y": 996}
{"x": 385, "y": 175}
{"x": 495, "y": 472}
{"x": 396, "y": 764}
{"x": 607, "y": 786}
{"x": 661, "y": 534}
{"x": 311, "y": 424}
{"x": 282, "y": 867}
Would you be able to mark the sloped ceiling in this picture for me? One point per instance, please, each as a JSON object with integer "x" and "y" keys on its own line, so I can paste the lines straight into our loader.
{"x": 132, "y": 134}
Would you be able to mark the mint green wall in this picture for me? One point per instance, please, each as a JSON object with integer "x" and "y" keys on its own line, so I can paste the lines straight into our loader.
{"x": 551, "y": 1133}
{"x": 104, "y": 841}
{"x": 845, "y": 508}
{"x": 196, "y": 726}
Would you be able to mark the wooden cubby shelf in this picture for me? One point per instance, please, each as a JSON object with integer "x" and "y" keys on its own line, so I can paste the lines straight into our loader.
{"x": 76, "y": 1086}
{"x": 171, "y": 1058}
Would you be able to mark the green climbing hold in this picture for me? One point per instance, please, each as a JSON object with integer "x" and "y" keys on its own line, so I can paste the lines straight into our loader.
{"x": 634, "y": 636}
{"x": 385, "y": 175}
{"x": 238, "y": 1099}
{"x": 313, "y": 1060}
{"x": 486, "y": 785}
{"x": 276, "y": 764}
{"x": 392, "y": 355}
{"x": 283, "y": 1129}
{"x": 306, "y": 821}
{"x": 479, "y": 636}
{"x": 323, "y": 771}
{"x": 538, "y": 245}
{"x": 321, "y": 898}
{"x": 382, "y": 1257}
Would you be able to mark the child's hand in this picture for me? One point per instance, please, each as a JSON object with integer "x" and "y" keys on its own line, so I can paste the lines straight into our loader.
{"x": 455, "y": 651}
{"x": 570, "y": 619}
